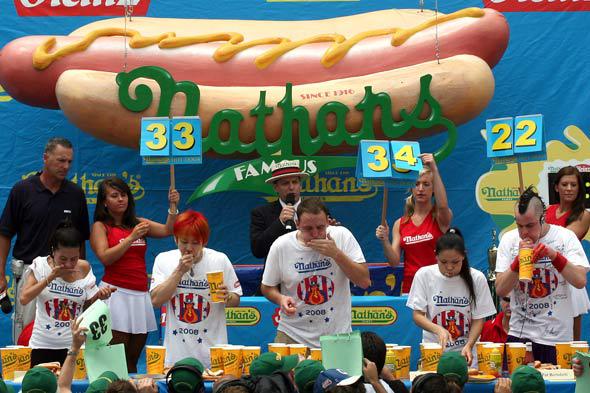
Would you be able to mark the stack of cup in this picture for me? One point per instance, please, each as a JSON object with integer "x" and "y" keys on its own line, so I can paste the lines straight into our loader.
{"x": 280, "y": 348}
{"x": 155, "y": 356}
{"x": 248, "y": 356}
{"x": 490, "y": 365}
{"x": 232, "y": 360}
{"x": 402, "y": 361}
{"x": 430, "y": 354}
{"x": 515, "y": 354}
{"x": 480, "y": 356}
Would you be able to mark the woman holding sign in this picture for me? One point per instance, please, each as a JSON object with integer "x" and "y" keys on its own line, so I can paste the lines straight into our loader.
{"x": 183, "y": 280}
{"x": 571, "y": 213}
{"x": 451, "y": 300}
{"x": 118, "y": 238}
{"x": 424, "y": 221}
{"x": 62, "y": 285}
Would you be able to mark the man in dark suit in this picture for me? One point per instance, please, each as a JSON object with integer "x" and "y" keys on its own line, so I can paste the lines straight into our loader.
{"x": 269, "y": 221}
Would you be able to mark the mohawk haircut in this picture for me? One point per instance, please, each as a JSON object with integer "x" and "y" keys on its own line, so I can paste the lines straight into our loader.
{"x": 529, "y": 198}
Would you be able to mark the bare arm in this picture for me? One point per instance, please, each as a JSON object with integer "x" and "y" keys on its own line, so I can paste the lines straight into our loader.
{"x": 474, "y": 333}
{"x": 575, "y": 275}
{"x": 505, "y": 282}
{"x": 391, "y": 250}
{"x": 580, "y": 226}
{"x": 162, "y": 230}
{"x": 420, "y": 319}
{"x": 444, "y": 213}
{"x": 163, "y": 292}
{"x": 4, "y": 249}
{"x": 100, "y": 245}
{"x": 32, "y": 288}
{"x": 64, "y": 381}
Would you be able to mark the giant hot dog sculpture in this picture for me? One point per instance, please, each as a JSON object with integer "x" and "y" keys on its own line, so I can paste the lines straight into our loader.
{"x": 342, "y": 59}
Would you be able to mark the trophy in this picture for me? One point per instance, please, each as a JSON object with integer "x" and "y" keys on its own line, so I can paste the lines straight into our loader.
{"x": 492, "y": 254}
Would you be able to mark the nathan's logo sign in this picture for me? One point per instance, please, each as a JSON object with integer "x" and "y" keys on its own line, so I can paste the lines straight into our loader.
{"x": 492, "y": 194}
{"x": 373, "y": 315}
{"x": 242, "y": 316}
{"x": 89, "y": 183}
{"x": 537, "y": 5}
{"x": 80, "y": 7}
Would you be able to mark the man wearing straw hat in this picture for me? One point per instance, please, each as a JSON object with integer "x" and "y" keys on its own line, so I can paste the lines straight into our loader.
{"x": 541, "y": 300}
{"x": 268, "y": 222}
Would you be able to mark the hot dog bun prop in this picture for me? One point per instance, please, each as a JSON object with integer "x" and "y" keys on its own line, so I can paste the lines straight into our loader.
{"x": 260, "y": 69}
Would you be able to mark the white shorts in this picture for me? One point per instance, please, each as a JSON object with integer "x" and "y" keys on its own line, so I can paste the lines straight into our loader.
{"x": 131, "y": 311}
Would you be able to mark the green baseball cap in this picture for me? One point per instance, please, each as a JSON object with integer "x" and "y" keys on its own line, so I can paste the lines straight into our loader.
{"x": 4, "y": 388}
{"x": 269, "y": 362}
{"x": 186, "y": 380}
{"x": 526, "y": 379}
{"x": 39, "y": 380}
{"x": 306, "y": 373}
{"x": 453, "y": 365}
{"x": 100, "y": 384}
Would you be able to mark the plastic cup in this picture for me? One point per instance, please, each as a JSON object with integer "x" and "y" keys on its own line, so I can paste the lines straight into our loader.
{"x": 24, "y": 357}
{"x": 479, "y": 350}
{"x": 298, "y": 349}
{"x": 155, "y": 356}
{"x": 515, "y": 354}
{"x": 248, "y": 356}
{"x": 215, "y": 280}
{"x": 525, "y": 269}
{"x": 431, "y": 354}
{"x": 489, "y": 366}
{"x": 316, "y": 354}
{"x": 578, "y": 348}
{"x": 564, "y": 354}
{"x": 80, "y": 371}
{"x": 9, "y": 362}
{"x": 402, "y": 361}
{"x": 232, "y": 361}
{"x": 216, "y": 353}
{"x": 280, "y": 348}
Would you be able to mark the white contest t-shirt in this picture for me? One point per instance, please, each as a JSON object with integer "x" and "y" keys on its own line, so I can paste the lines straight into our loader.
{"x": 446, "y": 302}
{"x": 544, "y": 313}
{"x": 318, "y": 286}
{"x": 57, "y": 305}
{"x": 193, "y": 322}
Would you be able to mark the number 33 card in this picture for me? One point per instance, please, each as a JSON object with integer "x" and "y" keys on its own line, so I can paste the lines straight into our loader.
{"x": 97, "y": 319}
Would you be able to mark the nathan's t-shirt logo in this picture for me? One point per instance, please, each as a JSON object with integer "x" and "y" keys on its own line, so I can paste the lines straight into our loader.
{"x": 315, "y": 290}
{"x": 190, "y": 307}
{"x": 537, "y": 5}
{"x": 79, "y": 7}
{"x": 418, "y": 238}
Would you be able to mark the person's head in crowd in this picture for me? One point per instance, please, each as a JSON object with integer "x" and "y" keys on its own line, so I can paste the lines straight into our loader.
{"x": 121, "y": 386}
{"x": 312, "y": 217}
{"x": 330, "y": 379}
{"x": 231, "y": 384}
{"x": 451, "y": 257}
{"x": 306, "y": 373}
{"x": 57, "y": 158}
{"x": 186, "y": 376}
{"x": 374, "y": 349}
{"x": 570, "y": 188}
{"x": 286, "y": 178}
{"x": 430, "y": 383}
{"x": 191, "y": 233}
{"x": 529, "y": 214}
{"x": 65, "y": 245}
{"x": 39, "y": 380}
{"x": 422, "y": 193}
{"x": 114, "y": 198}
{"x": 526, "y": 379}
{"x": 101, "y": 384}
{"x": 453, "y": 366}
{"x": 4, "y": 388}
{"x": 269, "y": 362}
{"x": 505, "y": 306}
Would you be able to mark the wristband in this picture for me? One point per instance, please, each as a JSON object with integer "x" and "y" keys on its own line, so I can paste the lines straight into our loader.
{"x": 172, "y": 214}
{"x": 559, "y": 262}
{"x": 72, "y": 353}
{"x": 515, "y": 265}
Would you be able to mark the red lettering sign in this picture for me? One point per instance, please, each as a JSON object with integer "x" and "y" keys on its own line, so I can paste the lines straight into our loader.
{"x": 537, "y": 5}
{"x": 80, "y": 7}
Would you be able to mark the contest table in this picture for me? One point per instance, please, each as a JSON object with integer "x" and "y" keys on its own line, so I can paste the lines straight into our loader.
{"x": 551, "y": 387}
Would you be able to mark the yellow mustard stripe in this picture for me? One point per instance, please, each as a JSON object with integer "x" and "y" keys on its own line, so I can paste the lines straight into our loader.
{"x": 42, "y": 58}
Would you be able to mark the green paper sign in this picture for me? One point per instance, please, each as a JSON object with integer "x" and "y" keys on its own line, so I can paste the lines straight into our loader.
{"x": 107, "y": 358}
{"x": 97, "y": 319}
{"x": 343, "y": 351}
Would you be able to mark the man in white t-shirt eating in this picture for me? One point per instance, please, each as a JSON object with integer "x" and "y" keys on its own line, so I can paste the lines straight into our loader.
{"x": 541, "y": 310}
{"x": 308, "y": 274}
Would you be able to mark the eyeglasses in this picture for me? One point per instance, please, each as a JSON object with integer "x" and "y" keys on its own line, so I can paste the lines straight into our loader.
{"x": 506, "y": 299}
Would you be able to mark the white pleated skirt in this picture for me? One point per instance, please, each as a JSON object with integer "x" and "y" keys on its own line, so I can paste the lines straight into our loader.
{"x": 131, "y": 311}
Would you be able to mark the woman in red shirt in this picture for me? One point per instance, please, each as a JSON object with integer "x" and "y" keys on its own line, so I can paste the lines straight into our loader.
{"x": 423, "y": 222}
{"x": 570, "y": 213}
{"x": 118, "y": 238}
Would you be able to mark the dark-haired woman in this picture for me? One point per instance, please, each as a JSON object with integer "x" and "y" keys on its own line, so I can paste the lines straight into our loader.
{"x": 118, "y": 238}
{"x": 62, "y": 285}
{"x": 571, "y": 213}
{"x": 451, "y": 300}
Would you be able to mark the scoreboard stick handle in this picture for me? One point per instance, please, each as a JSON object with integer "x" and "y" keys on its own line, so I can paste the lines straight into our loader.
{"x": 384, "y": 206}
{"x": 520, "y": 180}
{"x": 172, "y": 178}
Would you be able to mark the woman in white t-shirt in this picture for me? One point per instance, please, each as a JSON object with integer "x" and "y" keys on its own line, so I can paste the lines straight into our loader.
{"x": 62, "y": 285}
{"x": 179, "y": 280}
{"x": 451, "y": 300}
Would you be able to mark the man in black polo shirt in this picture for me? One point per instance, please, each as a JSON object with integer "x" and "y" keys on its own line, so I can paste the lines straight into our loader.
{"x": 33, "y": 210}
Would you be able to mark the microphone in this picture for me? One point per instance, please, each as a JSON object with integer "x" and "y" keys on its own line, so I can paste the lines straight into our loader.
{"x": 290, "y": 201}
{"x": 5, "y": 303}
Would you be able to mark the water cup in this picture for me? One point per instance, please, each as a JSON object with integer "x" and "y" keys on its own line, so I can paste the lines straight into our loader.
{"x": 215, "y": 280}
{"x": 515, "y": 354}
{"x": 216, "y": 353}
{"x": 155, "y": 356}
{"x": 248, "y": 356}
{"x": 280, "y": 348}
{"x": 402, "y": 361}
{"x": 316, "y": 354}
{"x": 525, "y": 269}
{"x": 430, "y": 353}
{"x": 232, "y": 361}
